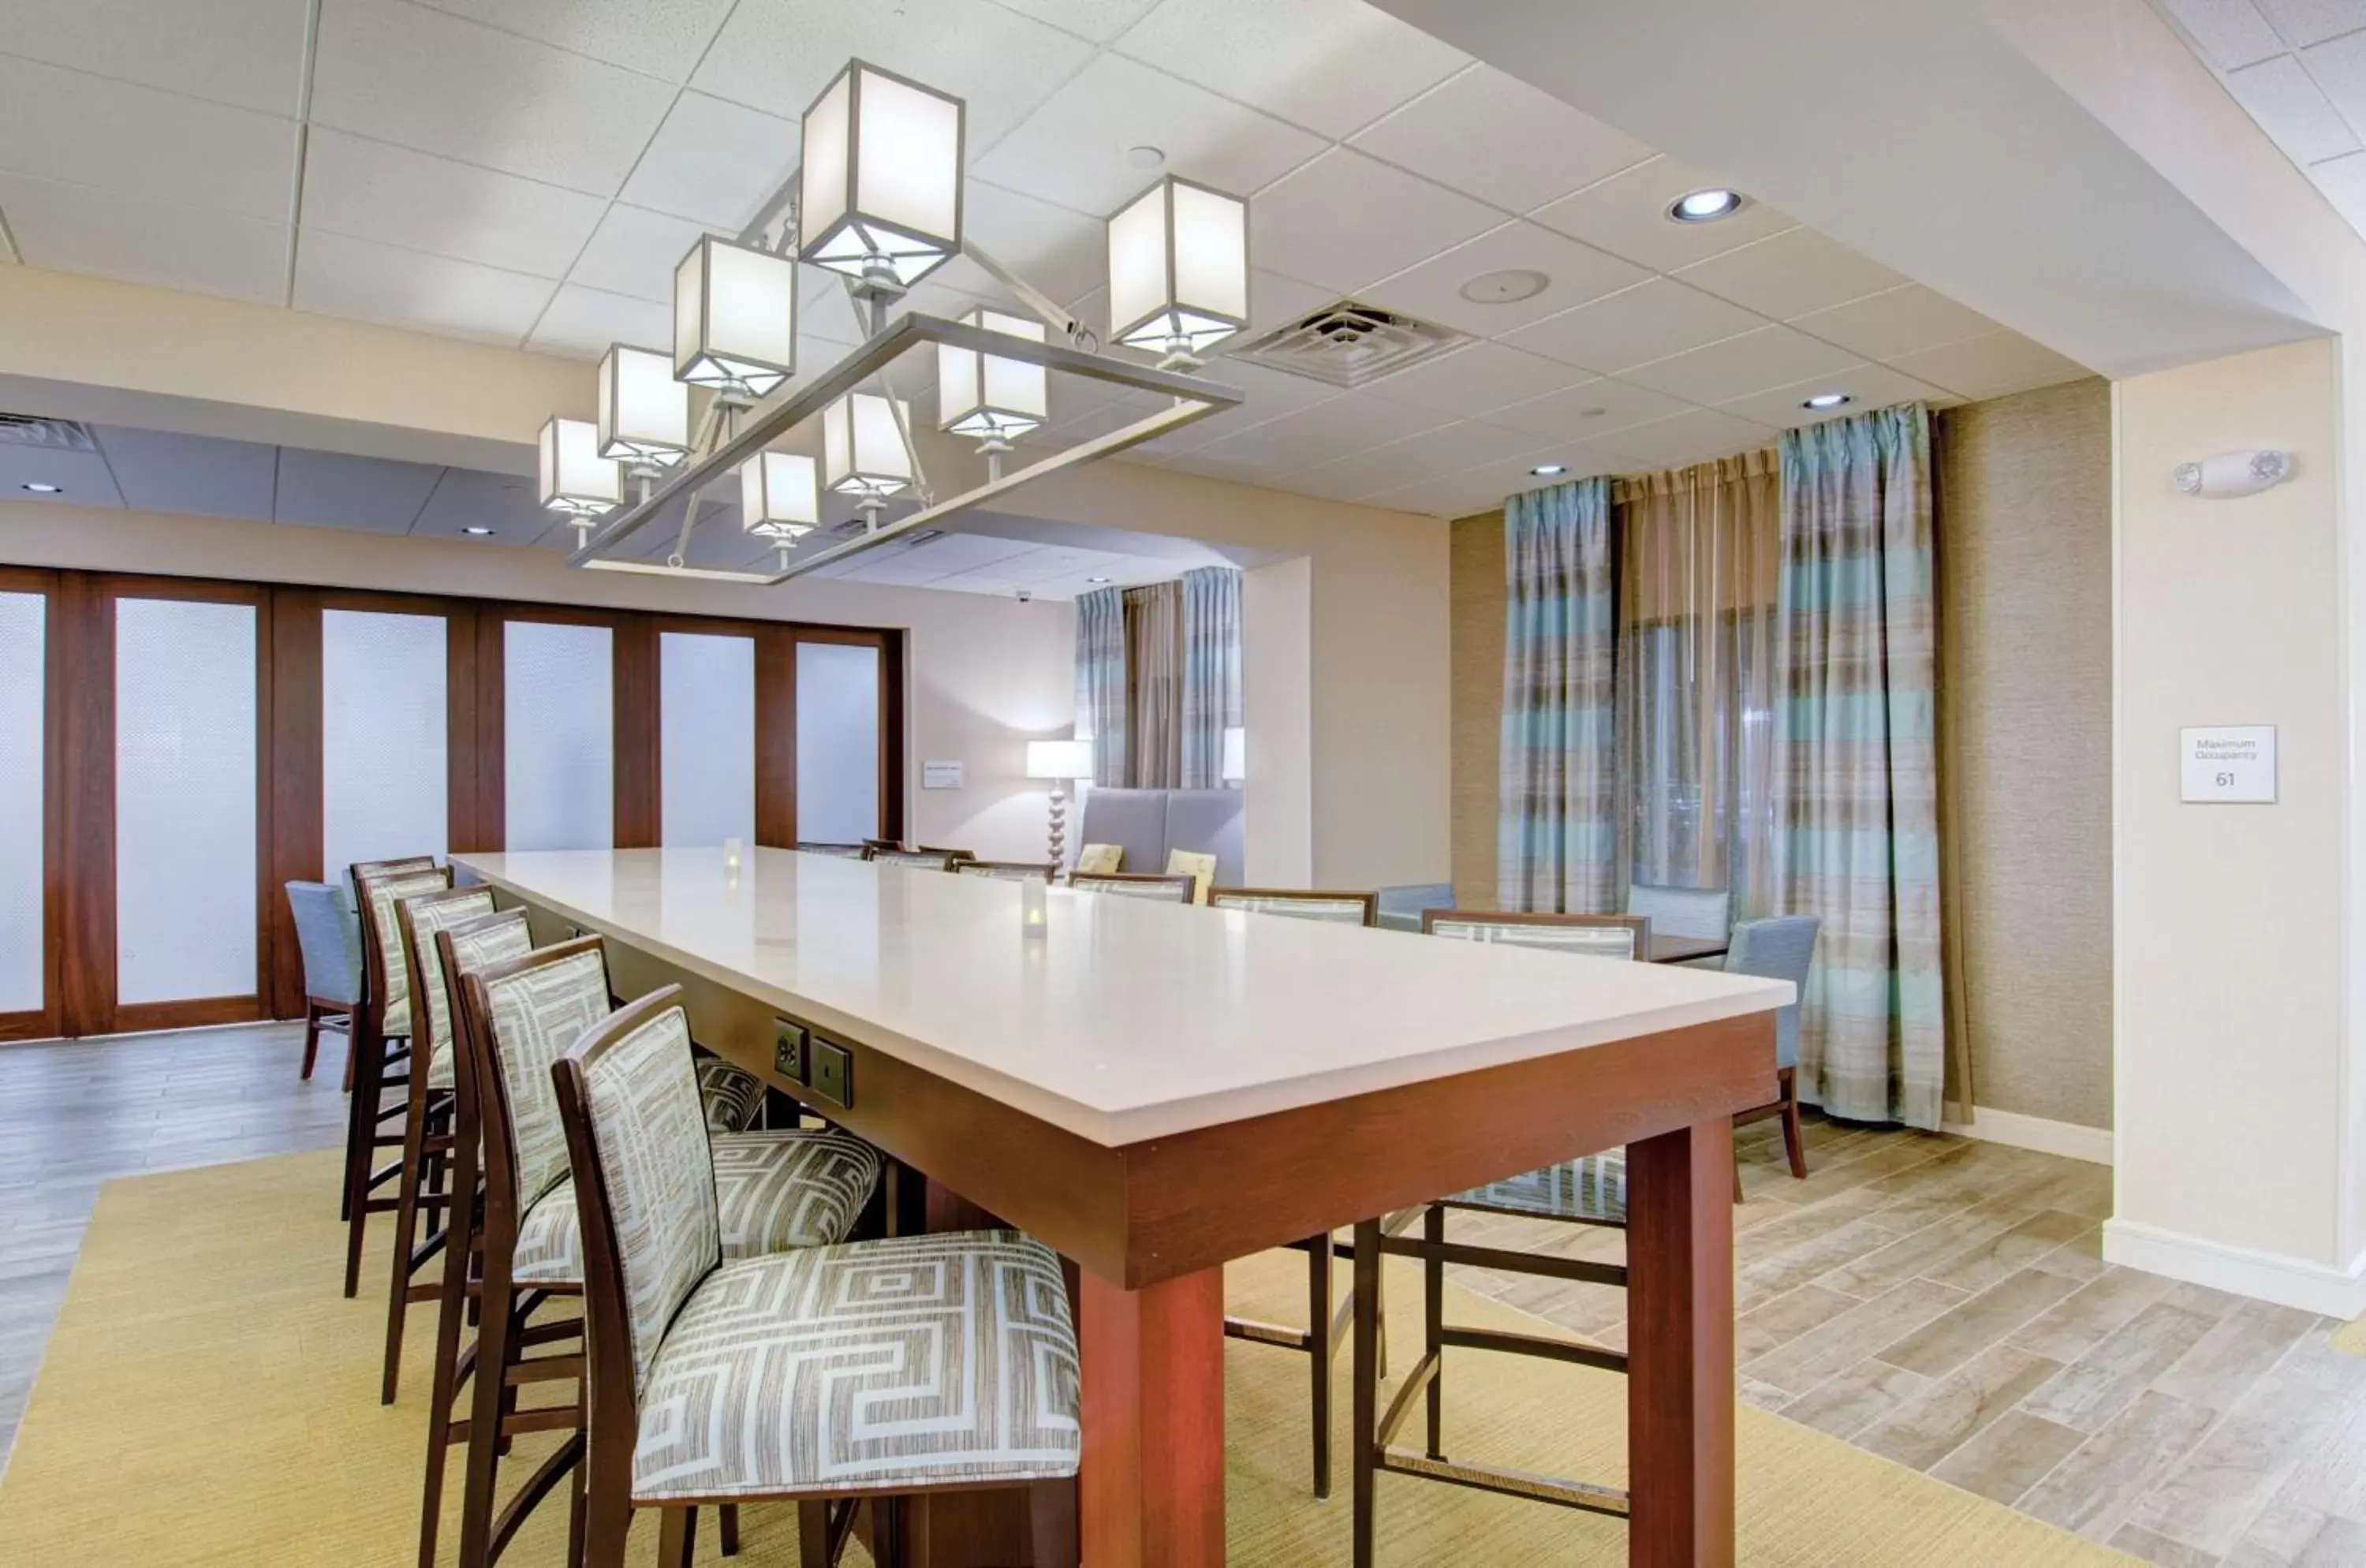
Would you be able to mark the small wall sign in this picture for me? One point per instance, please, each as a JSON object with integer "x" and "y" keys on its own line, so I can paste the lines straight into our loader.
{"x": 941, "y": 775}
{"x": 2228, "y": 764}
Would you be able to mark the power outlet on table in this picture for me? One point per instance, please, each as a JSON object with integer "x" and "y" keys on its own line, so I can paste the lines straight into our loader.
{"x": 789, "y": 1049}
{"x": 833, "y": 1074}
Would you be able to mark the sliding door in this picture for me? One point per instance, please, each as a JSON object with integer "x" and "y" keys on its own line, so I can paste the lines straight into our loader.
{"x": 559, "y": 739}
{"x": 841, "y": 728}
{"x": 385, "y": 738}
{"x": 707, "y": 737}
{"x": 29, "y": 875}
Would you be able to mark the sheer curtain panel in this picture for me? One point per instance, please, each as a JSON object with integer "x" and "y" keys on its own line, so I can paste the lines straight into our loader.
{"x": 1557, "y": 836}
{"x": 1212, "y": 672}
{"x": 1154, "y": 652}
{"x": 1856, "y": 763}
{"x": 1100, "y": 681}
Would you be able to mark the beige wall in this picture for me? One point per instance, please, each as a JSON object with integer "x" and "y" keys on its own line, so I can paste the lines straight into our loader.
{"x": 985, "y": 675}
{"x": 2025, "y": 629}
{"x": 1478, "y": 697}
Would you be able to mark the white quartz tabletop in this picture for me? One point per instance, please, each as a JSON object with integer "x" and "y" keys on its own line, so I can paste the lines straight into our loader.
{"x": 1126, "y": 1019}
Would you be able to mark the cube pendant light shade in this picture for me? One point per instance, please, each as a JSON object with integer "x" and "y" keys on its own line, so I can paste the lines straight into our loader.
{"x": 644, "y": 411}
{"x": 575, "y": 479}
{"x": 777, "y": 495}
{"x": 882, "y": 186}
{"x": 734, "y": 318}
{"x": 985, "y": 395}
{"x": 863, "y": 448}
{"x": 1178, "y": 268}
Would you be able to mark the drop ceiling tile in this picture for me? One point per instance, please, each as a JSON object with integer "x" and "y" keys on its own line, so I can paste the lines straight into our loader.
{"x": 341, "y": 276}
{"x": 1574, "y": 274}
{"x": 1063, "y": 253}
{"x": 1485, "y": 488}
{"x": 75, "y": 228}
{"x": 2306, "y": 22}
{"x": 2343, "y": 181}
{"x": 1267, "y": 395}
{"x": 579, "y": 323}
{"x": 1790, "y": 274}
{"x": 1902, "y": 321}
{"x": 370, "y": 190}
{"x": 1991, "y": 366}
{"x": 656, "y": 37}
{"x": 778, "y": 55}
{"x": 425, "y": 79}
{"x": 1867, "y": 385}
{"x": 1335, "y": 427}
{"x": 1771, "y": 357}
{"x": 1073, "y": 149}
{"x": 1477, "y": 377}
{"x": 1493, "y": 136}
{"x": 634, "y": 252}
{"x": 1588, "y": 410}
{"x": 1650, "y": 320}
{"x": 1099, "y": 20}
{"x": 1332, "y": 66}
{"x": 1627, "y": 216}
{"x": 1345, "y": 221}
{"x": 464, "y": 499}
{"x": 2290, "y": 107}
{"x": 139, "y": 141}
{"x": 1450, "y": 449}
{"x": 81, "y": 476}
{"x": 1682, "y": 439}
{"x": 2230, "y": 33}
{"x": 159, "y": 470}
{"x": 335, "y": 490}
{"x": 2340, "y": 68}
{"x": 249, "y": 53}
{"x": 715, "y": 162}
{"x": 966, "y": 552}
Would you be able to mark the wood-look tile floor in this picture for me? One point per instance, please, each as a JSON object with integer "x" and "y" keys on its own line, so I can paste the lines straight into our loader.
{"x": 1938, "y": 1301}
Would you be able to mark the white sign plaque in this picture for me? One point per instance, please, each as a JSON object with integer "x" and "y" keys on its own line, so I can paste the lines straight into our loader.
{"x": 941, "y": 775}
{"x": 2227, "y": 762}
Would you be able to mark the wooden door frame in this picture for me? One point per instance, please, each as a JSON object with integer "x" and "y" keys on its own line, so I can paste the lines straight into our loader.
{"x": 44, "y": 1021}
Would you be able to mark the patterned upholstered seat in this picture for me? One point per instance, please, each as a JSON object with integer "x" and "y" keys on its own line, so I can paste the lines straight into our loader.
{"x": 932, "y": 1360}
{"x": 1592, "y": 1190}
{"x": 733, "y": 1095}
{"x": 773, "y": 1191}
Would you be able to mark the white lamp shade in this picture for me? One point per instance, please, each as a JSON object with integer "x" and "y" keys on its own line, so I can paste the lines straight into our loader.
{"x": 1236, "y": 754}
{"x": 862, "y": 445}
{"x": 882, "y": 184}
{"x": 1178, "y": 268}
{"x": 778, "y": 497}
{"x": 735, "y": 317}
{"x": 1059, "y": 759}
{"x": 644, "y": 411}
{"x": 984, "y": 394}
{"x": 574, "y": 477}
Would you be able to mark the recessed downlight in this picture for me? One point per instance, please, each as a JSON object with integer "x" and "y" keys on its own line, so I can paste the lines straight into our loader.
{"x": 1097, "y": 579}
{"x": 1707, "y": 205}
{"x": 38, "y": 488}
{"x": 1546, "y": 470}
{"x": 1827, "y": 400}
{"x": 477, "y": 532}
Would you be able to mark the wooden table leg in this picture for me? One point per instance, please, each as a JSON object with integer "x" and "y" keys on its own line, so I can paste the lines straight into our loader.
{"x": 1680, "y": 1391}
{"x": 1152, "y": 1487}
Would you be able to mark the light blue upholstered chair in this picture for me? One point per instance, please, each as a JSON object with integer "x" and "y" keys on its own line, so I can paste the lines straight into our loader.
{"x": 329, "y": 935}
{"x": 1401, "y": 905}
{"x": 1782, "y": 948}
{"x": 1706, "y": 913}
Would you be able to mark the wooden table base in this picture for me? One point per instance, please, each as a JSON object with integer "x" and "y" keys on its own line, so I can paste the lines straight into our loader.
{"x": 1680, "y": 1347}
{"x": 1152, "y": 1488}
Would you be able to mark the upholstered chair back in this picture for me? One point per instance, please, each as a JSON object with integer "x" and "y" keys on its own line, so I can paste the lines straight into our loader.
{"x": 1174, "y": 889}
{"x": 419, "y": 918}
{"x": 532, "y": 1008}
{"x": 1783, "y": 948}
{"x": 917, "y": 859}
{"x": 1341, "y": 909}
{"x": 1005, "y": 870}
{"x": 1590, "y": 936}
{"x": 841, "y": 851}
{"x": 1704, "y": 912}
{"x": 329, "y": 935}
{"x": 389, "y": 979}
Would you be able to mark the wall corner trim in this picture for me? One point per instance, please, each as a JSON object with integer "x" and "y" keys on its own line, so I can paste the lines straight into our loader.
{"x": 2265, "y": 1276}
{"x": 2069, "y": 1139}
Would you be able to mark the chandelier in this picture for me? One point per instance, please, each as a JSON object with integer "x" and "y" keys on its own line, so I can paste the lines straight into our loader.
{"x": 877, "y": 201}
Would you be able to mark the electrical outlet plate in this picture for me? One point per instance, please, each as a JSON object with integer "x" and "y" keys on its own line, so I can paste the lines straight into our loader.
{"x": 789, "y": 1049}
{"x": 833, "y": 1074}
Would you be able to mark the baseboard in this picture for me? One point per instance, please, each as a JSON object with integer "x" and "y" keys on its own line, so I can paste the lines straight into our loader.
{"x": 2264, "y": 1276}
{"x": 2066, "y": 1138}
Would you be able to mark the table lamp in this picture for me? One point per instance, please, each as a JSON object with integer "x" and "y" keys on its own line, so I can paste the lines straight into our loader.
{"x": 1059, "y": 760}
{"x": 1236, "y": 754}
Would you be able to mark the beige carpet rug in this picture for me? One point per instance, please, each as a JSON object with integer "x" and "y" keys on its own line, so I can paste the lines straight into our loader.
{"x": 209, "y": 1398}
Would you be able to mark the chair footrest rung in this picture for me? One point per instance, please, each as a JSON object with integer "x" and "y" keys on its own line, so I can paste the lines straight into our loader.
{"x": 1515, "y": 1344}
{"x": 1507, "y": 1260}
{"x": 1511, "y": 1482}
{"x": 1275, "y": 1333}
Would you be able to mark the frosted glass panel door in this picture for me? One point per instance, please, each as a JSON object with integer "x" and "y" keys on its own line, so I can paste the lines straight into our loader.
{"x": 707, "y": 737}
{"x": 383, "y": 738}
{"x": 559, "y": 714}
{"x": 838, "y": 743}
{"x": 184, "y": 793}
{"x": 24, "y": 669}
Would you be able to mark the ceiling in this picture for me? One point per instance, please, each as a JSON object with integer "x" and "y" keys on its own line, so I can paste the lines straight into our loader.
{"x": 2299, "y": 67}
{"x": 527, "y": 172}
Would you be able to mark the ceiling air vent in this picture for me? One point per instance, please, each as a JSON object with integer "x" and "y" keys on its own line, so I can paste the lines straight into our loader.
{"x": 55, "y": 434}
{"x": 1351, "y": 344}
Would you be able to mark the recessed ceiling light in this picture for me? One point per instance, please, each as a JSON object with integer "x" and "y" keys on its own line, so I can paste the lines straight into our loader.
{"x": 38, "y": 488}
{"x": 1826, "y": 401}
{"x": 1097, "y": 579}
{"x": 480, "y": 533}
{"x": 1707, "y": 206}
{"x": 1546, "y": 470}
{"x": 1146, "y": 157}
{"x": 1506, "y": 287}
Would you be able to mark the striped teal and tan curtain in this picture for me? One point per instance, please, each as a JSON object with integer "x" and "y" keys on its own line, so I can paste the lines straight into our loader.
{"x": 1856, "y": 762}
{"x": 1100, "y": 681}
{"x": 1212, "y": 672}
{"x": 1153, "y": 678}
{"x": 1557, "y": 834}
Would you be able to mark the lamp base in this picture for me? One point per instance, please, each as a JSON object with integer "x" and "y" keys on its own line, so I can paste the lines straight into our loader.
{"x": 1059, "y": 828}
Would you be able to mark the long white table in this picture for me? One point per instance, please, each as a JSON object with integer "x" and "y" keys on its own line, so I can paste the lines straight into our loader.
{"x": 1154, "y": 1090}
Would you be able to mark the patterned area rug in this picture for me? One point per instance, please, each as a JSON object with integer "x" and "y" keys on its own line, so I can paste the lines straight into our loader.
{"x": 209, "y": 1398}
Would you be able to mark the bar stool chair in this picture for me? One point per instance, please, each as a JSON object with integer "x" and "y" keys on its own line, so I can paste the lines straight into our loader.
{"x": 1174, "y": 889}
{"x": 842, "y": 852}
{"x": 1588, "y": 1190}
{"x": 712, "y": 1381}
{"x": 330, "y": 939}
{"x": 917, "y": 859}
{"x": 1009, "y": 870}
{"x": 1327, "y": 1325}
{"x": 772, "y": 1192}
{"x": 381, "y": 1045}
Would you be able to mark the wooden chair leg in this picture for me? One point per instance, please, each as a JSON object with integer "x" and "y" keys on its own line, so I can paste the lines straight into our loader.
{"x": 1052, "y": 1523}
{"x": 607, "y": 1513}
{"x": 727, "y": 1528}
{"x": 1319, "y": 1347}
{"x": 496, "y": 1328}
{"x": 813, "y": 1535}
{"x": 406, "y": 1236}
{"x": 1366, "y": 1420}
{"x": 1433, "y": 1324}
{"x": 361, "y": 1139}
{"x": 676, "y": 1536}
{"x": 312, "y": 1038}
{"x": 350, "y": 1028}
{"x": 451, "y": 1307}
{"x": 1793, "y": 1143}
